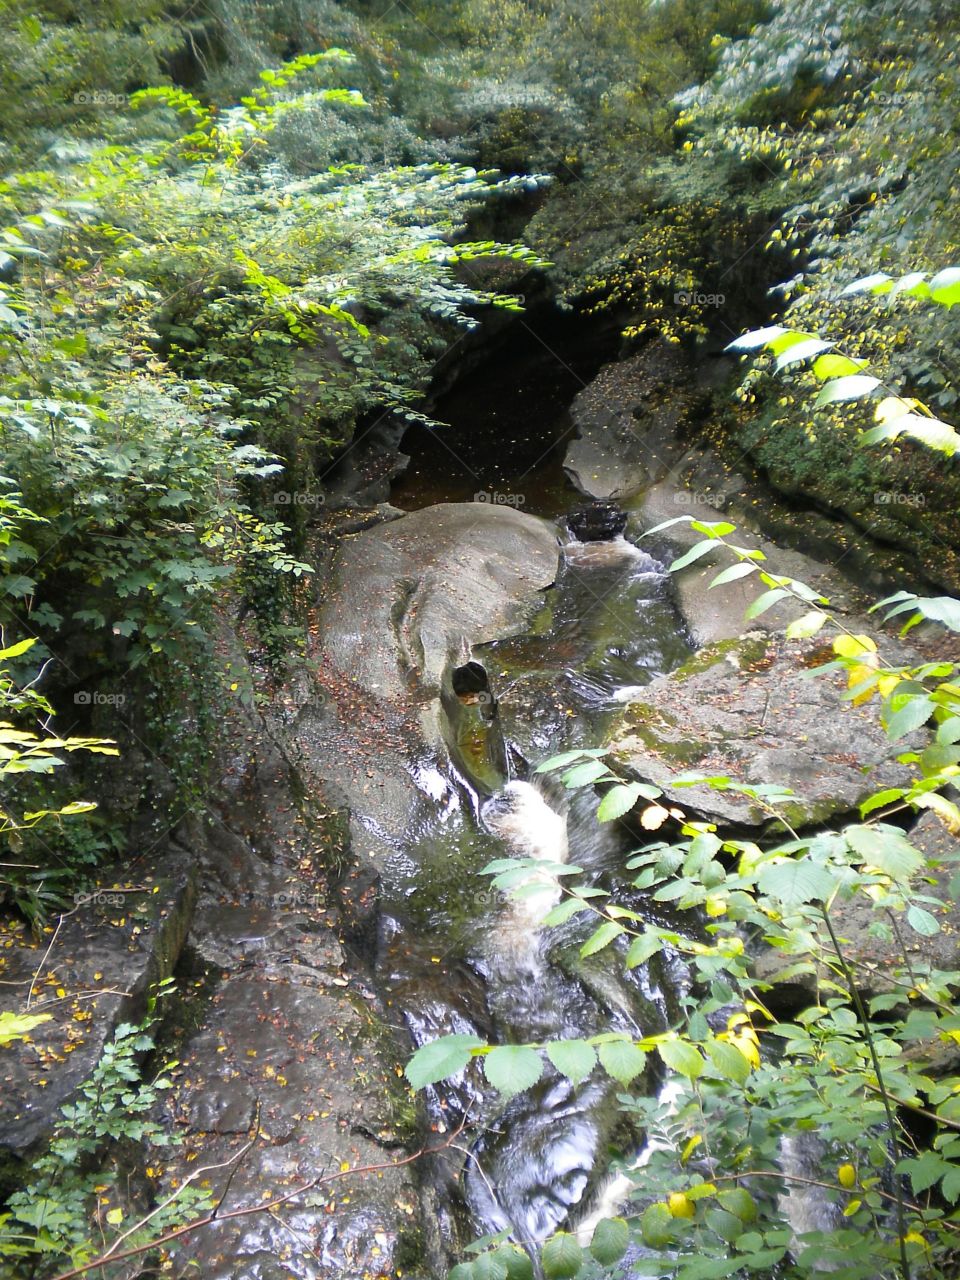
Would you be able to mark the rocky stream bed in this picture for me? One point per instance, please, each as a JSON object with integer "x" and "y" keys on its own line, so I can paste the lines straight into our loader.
{"x": 327, "y": 915}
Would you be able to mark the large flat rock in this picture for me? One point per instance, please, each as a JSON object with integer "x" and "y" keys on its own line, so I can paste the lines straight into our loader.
{"x": 750, "y": 709}
{"x": 407, "y": 596}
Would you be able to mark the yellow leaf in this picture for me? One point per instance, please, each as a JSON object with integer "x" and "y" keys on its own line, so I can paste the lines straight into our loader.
{"x": 689, "y": 1149}
{"x": 847, "y": 1176}
{"x": 894, "y": 407}
{"x": 653, "y": 817}
{"x": 680, "y": 1206}
{"x": 115, "y": 1216}
{"x": 853, "y": 646}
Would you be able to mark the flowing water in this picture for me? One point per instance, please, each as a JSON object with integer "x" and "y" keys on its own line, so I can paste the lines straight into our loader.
{"x": 460, "y": 957}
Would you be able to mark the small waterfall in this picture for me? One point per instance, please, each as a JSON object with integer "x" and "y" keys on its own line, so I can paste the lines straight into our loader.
{"x": 529, "y": 828}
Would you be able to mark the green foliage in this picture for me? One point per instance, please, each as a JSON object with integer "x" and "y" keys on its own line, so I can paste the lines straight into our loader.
{"x": 709, "y": 1195}
{"x": 843, "y": 377}
{"x": 75, "y": 1207}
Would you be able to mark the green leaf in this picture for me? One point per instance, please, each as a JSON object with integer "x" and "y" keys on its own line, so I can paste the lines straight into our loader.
{"x": 738, "y": 1200}
{"x": 922, "y": 921}
{"x": 916, "y": 711}
{"x": 735, "y": 571}
{"x": 795, "y": 881}
{"x": 511, "y": 1068}
{"x": 619, "y": 800}
{"x": 561, "y": 1257}
{"x": 621, "y": 1059}
{"x": 728, "y": 1060}
{"x": 657, "y": 1226}
{"x": 682, "y": 1057}
{"x": 851, "y": 387}
{"x": 583, "y": 774}
{"x": 563, "y": 911}
{"x": 727, "y": 1225}
{"x": 885, "y": 848}
{"x": 764, "y": 602}
{"x": 696, "y": 551}
{"x": 574, "y": 1059}
{"x": 440, "y": 1059}
{"x": 601, "y": 937}
{"x": 642, "y": 948}
{"x": 611, "y": 1240}
{"x": 490, "y": 1266}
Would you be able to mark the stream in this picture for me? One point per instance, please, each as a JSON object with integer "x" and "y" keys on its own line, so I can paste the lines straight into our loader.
{"x": 457, "y": 956}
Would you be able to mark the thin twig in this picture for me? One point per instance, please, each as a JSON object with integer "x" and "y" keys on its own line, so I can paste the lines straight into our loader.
{"x": 267, "y": 1206}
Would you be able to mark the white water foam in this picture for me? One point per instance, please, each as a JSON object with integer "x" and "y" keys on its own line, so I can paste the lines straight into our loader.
{"x": 614, "y": 1192}
{"x": 529, "y": 828}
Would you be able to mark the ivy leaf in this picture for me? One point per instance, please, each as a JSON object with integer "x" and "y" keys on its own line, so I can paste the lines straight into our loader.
{"x": 511, "y": 1068}
{"x": 441, "y": 1058}
{"x": 561, "y": 1257}
{"x": 621, "y": 1059}
{"x": 610, "y": 1241}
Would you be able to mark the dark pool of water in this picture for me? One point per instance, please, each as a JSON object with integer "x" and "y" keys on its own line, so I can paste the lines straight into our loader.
{"x": 509, "y": 425}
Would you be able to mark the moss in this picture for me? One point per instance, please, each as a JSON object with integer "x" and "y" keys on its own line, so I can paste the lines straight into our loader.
{"x": 749, "y": 649}
{"x": 643, "y": 720}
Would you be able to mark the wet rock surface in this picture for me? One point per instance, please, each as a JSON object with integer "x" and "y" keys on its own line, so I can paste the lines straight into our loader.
{"x": 289, "y": 1066}
{"x": 90, "y": 971}
{"x": 407, "y": 596}
{"x": 750, "y": 709}
{"x": 628, "y": 421}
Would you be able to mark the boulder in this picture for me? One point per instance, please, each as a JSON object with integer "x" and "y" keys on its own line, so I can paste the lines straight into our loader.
{"x": 749, "y": 709}
{"x": 408, "y": 596}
